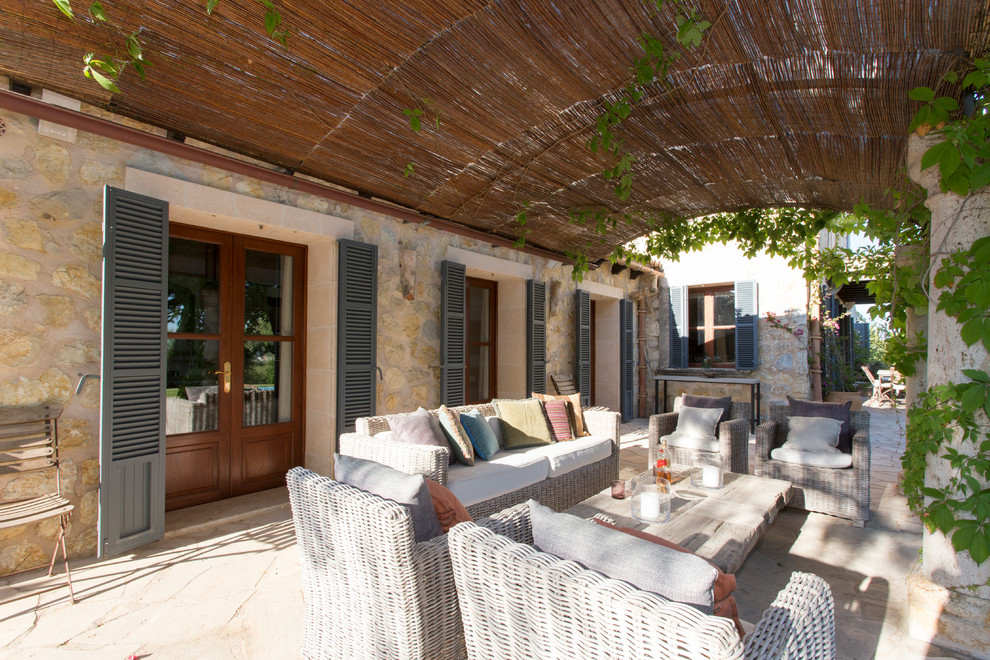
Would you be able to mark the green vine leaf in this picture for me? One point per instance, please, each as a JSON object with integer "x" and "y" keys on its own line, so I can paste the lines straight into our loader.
{"x": 96, "y": 11}
{"x": 63, "y": 6}
{"x": 211, "y": 5}
{"x": 409, "y": 171}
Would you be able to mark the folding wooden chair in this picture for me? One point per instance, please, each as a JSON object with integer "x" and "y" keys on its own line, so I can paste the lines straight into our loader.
{"x": 881, "y": 390}
{"x": 28, "y": 443}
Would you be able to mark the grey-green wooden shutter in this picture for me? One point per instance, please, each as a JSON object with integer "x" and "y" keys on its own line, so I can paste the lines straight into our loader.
{"x": 747, "y": 315}
{"x": 678, "y": 327}
{"x": 452, "y": 329}
{"x": 626, "y": 359}
{"x": 536, "y": 337}
{"x": 357, "y": 332}
{"x": 132, "y": 415}
{"x": 582, "y": 351}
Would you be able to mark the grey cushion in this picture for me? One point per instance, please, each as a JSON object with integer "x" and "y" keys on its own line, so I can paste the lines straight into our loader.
{"x": 724, "y": 403}
{"x": 819, "y": 434}
{"x": 410, "y": 490}
{"x": 820, "y": 459}
{"x": 685, "y": 441}
{"x": 418, "y": 428}
{"x": 677, "y": 576}
{"x": 839, "y": 411}
{"x": 698, "y": 422}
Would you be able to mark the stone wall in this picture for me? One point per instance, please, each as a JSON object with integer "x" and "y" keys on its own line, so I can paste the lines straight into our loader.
{"x": 51, "y": 195}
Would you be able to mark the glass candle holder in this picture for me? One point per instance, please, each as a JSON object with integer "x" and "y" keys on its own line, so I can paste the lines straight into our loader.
{"x": 619, "y": 489}
{"x": 650, "y": 499}
{"x": 706, "y": 471}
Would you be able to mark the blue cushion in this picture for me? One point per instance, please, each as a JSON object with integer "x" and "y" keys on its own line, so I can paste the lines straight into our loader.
{"x": 410, "y": 490}
{"x": 482, "y": 438}
{"x": 677, "y": 576}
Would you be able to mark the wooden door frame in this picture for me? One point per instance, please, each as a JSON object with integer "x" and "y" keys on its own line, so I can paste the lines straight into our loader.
{"x": 593, "y": 317}
{"x": 229, "y": 472}
{"x": 492, "y": 287}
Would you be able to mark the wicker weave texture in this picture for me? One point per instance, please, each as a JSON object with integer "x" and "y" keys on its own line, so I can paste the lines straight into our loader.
{"x": 370, "y": 591}
{"x": 733, "y": 438}
{"x": 839, "y": 492}
{"x": 517, "y": 602}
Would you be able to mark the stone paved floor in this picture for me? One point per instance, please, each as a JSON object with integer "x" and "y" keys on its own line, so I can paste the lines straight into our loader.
{"x": 232, "y": 591}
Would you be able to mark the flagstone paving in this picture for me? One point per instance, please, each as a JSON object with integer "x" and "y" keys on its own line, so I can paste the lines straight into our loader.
{"x": 225, "y": 582}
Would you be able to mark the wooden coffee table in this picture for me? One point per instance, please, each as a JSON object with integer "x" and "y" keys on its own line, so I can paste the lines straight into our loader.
{"x": 721, "y": 525}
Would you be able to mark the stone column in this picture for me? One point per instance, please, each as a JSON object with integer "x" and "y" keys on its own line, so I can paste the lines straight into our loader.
{"x": 949, "y": 598}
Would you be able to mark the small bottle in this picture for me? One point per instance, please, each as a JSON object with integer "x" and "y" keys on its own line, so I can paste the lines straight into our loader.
{"x": 662, "y": 470}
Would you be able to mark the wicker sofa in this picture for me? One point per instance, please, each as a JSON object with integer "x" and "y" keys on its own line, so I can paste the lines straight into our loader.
{"x": 516, "y": 602}
{"x": 567, "y": 478}
{"x": 733, "y": 437}
{"x": 843, "y": 492}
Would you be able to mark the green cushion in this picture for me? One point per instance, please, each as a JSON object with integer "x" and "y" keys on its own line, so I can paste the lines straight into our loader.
{"x": 523, "y": 423}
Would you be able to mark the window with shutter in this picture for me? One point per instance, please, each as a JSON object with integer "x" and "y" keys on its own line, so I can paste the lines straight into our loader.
{"x": 582, "y": 351}
{"x": 747, "y": 317}
{"x": 714, "y": 326}
{"x": 132, "y": 421}
{"x": 627, "y": 359}
{"x": 536, "y": 336}
{"x": 678, "y": 327}
{"x": 452, "y": 333}
{"x": 357, "y": 332}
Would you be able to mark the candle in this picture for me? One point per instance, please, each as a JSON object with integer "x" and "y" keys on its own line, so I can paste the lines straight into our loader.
{"x": 649, "y": 505}
{"x": 711, "y": 476}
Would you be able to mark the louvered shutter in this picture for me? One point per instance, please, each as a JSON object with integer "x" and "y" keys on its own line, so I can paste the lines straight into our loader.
{"x": 747, "y": 315}
{"x": 132, "y": 415}
{"x": 536, "y": 337}
{"x": 452, "y": 329}
{"x": 357, "y": 332}
{"x": 679, "y": 327}
{"x": 627, "y": 361}
{"x": 582, "y": 351}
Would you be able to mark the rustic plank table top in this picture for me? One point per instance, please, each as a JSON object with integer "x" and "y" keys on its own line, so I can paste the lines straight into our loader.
{"x": 722, "y": 525}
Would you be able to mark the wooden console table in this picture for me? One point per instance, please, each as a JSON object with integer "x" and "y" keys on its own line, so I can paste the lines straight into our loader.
{"x": 753, "y": 383}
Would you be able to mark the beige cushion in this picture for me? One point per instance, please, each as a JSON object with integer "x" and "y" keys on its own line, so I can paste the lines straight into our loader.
{"x": 815, "y": 434}
{"x": 685, "y": 441}
{"x": 698, "y": 422}
{"x": 564, "y": 457}
{"x": 523, "y": 423}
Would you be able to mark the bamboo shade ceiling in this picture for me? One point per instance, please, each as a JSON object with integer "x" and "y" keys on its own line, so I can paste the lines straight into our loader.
{"x": 788, "y": 103}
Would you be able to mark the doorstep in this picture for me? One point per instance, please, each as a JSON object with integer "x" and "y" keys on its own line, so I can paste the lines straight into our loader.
{"x": 207, "y": 516}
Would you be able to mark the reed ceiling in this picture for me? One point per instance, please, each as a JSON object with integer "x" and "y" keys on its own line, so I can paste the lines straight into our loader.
{"x": 788, "y": 103}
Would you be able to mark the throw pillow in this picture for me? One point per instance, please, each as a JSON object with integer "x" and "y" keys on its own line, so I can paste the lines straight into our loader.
{"x": 448, "y": 508}
{"x": 698, "y": 422}
{"x": 417, "y": 428}
{"x": 482, "y": 438}
{"x": 575, "y": 399}
{"x": 495, "y": 424}
{"x": 523, "y": 423}
{"x": 725, "y": 583}
{"x": 450, "y": 423}
{"x": 723, "y": 402}
{"x": 409, "y": 490}
{"x": 677, "y": 576}
{"x": 839, "y": 411}
{"x": 560, "y": 424}
{"x": 819, "y": 434}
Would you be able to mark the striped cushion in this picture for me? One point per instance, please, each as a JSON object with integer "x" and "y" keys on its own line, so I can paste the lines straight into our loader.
{"x": 557, "y": 415}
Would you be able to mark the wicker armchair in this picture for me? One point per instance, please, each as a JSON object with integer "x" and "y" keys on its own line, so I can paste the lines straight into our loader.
{"x": 839, "y": 492}
{"x": 733, "y": 438}
{"x": 521, "y": 603}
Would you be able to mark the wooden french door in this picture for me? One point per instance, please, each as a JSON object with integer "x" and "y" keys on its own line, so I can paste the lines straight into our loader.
{"x": 481, "y": 367}
{"x": 234, "y": 356}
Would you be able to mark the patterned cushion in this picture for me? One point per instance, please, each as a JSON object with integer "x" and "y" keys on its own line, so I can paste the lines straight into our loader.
{"x": 560, "y": 423}
{"x": 575, "y": 400}
{"x": 459, "y": 441}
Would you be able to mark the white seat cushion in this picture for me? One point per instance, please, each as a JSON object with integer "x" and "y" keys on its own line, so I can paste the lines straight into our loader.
{"x": 686, "y": 441}
{"x": 506, "y": 472}
{"x": 573, "y": 454}
{"x": 823, "y": 459}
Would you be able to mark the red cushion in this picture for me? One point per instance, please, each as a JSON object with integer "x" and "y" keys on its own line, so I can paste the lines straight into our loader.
{"x": 560, "y": 423}
{"x": 449, "y": 509}
{"x": 725, "y": 583}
